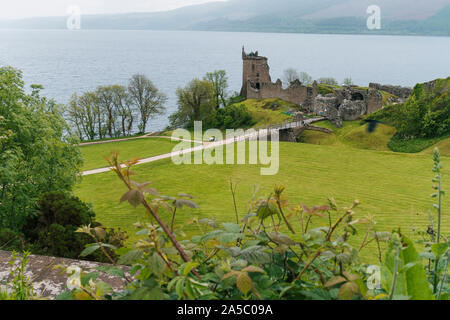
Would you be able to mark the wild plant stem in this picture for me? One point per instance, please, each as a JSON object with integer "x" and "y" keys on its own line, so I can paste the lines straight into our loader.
{"x": 394, "y": 281}
{"x": 233, "y": 193}
{"x": 438, "y": 240}
{"x": 444, "y": 280}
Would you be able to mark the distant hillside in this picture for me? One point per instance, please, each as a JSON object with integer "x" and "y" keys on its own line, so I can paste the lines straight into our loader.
{"x": 408, "y": 17}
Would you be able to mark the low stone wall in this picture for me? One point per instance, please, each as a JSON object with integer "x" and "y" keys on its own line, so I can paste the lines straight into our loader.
{"x": 49, "y": 282}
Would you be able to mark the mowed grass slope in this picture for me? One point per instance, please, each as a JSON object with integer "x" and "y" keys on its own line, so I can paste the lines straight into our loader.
{"x": 268, "y": 111}
{"x": 352, "y": 134}
{"x": 394, "y": 187}
{"x": 94, "y": 154}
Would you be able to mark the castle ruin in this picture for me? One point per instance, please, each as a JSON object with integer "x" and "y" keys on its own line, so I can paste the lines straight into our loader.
{"x": 343, "y": 104}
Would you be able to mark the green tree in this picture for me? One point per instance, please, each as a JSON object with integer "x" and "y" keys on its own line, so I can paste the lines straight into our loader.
{"x": 86, "y": 115}
{"x": 219, "y": 81}
{"x": 147, "y": 98}
{"x": 196, "y": 102}
{"x": 105, "y": 100}
{"x": 124, "y": 109}
{"x": 36, "y": 154}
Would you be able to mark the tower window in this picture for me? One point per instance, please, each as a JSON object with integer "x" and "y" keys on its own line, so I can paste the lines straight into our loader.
{"x": 253, "y": 67}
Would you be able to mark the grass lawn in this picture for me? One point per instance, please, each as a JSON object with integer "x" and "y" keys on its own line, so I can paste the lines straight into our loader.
{"x": 352, "y": 134}
{"x": 444, "y": 148}
{"x": 265, "y": 114}
{"x": 94, "y": 155}
{"x": 394, "y": 187}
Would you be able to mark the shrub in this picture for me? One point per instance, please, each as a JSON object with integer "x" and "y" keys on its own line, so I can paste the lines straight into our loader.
{"x": 53, "y": 230}
{"x": 231, "y": 117}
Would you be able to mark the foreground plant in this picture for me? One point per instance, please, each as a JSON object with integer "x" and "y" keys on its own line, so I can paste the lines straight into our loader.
{"x": 275, "y": 250}
{"x": 19, "y": 286}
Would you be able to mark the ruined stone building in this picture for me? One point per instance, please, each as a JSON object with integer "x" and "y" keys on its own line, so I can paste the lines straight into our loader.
{"x": 257, "y": 83}
{"x": 347, "y": 103}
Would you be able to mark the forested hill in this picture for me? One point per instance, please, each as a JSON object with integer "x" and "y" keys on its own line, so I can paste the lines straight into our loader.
{"x": 404, "y": 17}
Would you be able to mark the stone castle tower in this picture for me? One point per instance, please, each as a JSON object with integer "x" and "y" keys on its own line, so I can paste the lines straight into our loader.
{"x": 255, "y": 69}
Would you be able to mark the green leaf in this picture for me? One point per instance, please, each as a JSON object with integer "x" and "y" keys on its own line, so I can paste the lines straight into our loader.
{"x": 334, "y": 281}
{"x": 244, "y": 283}
{"x": 439, "y": 249}
{"x": 112, "y": 271}
{"x": 225, "y": 238}
{"x": 179, "y": 288}
{"x": 232, "y": 227}
{"x": 157, "y": 264}
{"x": 212, "y": 235}
{"x": 411, "y": 282}
{"x": 130, "y": 257}
{"x": 89, "y": 250}
{"x": 65, "y": 295}
{"x": 347, "y": 291}
{"x": 147, "y": 294}
{"x": 103, "y": 288}
{"x": 90, "y": 276}
{"x": 189, "y": 266}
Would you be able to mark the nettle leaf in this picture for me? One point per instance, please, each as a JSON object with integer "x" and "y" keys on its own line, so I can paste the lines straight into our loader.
{"x": 225, "y": 238}
{"x": 233, "y": 251}
{"x": 244, "y": 283}
{"x": 232, "y": 227}
{"x": 212, "y": 235}
{"x": 281, "y": 239}
{"x": 255, "y": 255}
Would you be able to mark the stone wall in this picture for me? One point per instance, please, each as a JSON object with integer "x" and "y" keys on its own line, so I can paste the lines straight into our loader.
{"x": 401, "y": 92}
{"x": 48, "y": 282}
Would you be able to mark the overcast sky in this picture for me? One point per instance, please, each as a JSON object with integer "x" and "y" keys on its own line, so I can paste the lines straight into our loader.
{"x": 13, "y": 9}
